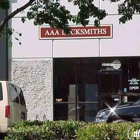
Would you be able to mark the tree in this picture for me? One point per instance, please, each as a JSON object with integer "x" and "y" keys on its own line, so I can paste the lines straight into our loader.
{"x": 56, "y": 15}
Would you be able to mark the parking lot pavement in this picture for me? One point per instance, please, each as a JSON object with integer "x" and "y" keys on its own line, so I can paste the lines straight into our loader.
{"x": 2, "y": 136}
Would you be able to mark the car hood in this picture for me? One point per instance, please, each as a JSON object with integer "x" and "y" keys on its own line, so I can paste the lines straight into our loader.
{"x": 120, "y": 106}
{"x": 102, "y": 115}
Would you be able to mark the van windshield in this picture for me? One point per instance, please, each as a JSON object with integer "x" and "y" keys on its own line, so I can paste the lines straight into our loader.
{"x": 1, "y": 93}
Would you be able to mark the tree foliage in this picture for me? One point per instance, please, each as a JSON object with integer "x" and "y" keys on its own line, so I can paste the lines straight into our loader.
{"x": 55, "y": 14}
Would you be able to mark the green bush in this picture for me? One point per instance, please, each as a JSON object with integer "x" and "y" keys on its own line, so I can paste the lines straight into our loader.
{"x": 104, "y": 131}
{"x": 67, "y": 130}
{"x": 48, "y": 130}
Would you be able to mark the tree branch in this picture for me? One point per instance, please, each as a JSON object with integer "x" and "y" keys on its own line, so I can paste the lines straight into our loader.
{"x": 4, "y": 22}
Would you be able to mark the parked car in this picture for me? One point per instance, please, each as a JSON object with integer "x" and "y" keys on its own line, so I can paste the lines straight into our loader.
{"x": 12, "y": 105}
{"x": 128, "y": 112}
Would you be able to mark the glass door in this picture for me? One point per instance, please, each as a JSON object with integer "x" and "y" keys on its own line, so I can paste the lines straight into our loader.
{"x": 87, "y": 91}
{"x": 109, "y": 87}
{"x": 76, "y": 90}
{"x": 64, "y": 90}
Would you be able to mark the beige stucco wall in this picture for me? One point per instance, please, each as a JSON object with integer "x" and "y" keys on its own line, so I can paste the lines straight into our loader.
{"x": 35, "y": 78}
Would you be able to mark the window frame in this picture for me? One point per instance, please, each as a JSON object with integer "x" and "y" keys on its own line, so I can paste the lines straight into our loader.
{"x": 1, "y": 92}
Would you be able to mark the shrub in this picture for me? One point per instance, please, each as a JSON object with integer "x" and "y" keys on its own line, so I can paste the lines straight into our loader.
{"x": 48, "y": 130}
{"x": 68, "y": 130}
{"x": 105, "y": 131}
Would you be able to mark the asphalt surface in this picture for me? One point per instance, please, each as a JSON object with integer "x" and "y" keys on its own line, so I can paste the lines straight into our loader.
{"x": 2, "y": 136}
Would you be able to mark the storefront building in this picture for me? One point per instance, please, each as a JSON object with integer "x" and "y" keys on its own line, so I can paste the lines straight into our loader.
{"x": 70, "y": 77}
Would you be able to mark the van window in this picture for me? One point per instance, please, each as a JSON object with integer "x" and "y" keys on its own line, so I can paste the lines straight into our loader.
{"x": 1, "y": 93}
{"x": 22, "y": 98}
{"x": 20, "y": 93}
{"x": 13, "y": 93}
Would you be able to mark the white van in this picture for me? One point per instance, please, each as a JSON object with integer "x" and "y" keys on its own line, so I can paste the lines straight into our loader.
{"x": 12, "y": 105}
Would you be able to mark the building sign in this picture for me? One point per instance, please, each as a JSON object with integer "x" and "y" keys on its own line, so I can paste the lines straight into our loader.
{"x": 116, "y": 64}
{"x": 104, "y": 31}
{"x": 133, "y": 84}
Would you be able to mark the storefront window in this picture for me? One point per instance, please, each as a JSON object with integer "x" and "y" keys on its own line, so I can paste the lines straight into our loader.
{"x": 75, "y": 88}
{"x": 83, "y": 86}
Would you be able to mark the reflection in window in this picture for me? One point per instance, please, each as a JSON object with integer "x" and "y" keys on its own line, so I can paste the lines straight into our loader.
{"x": 126, "y": 111}
{"x": 109, "y": 83}
{"x": 20, "y": 93}
{"x": 13, "y": 94}
{"x": 137, "y": 102}
{"x": 87, "y": 111}
{"x": 22, "y": 100}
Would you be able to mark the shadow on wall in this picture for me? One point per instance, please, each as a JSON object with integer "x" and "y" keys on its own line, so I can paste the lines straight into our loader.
{"x": 13, "y": 1}
{"x": 44, "y": 118}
